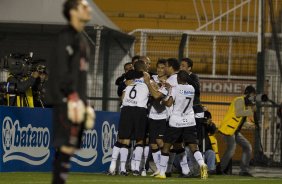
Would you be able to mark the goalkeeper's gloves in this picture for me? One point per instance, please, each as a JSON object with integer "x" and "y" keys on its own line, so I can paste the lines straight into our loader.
{"x": 76, "y": 109}
{"x": 90, "y": 118}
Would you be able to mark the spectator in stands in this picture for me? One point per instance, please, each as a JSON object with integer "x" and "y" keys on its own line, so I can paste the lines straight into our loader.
{"x": 68, "y": 83}
{"x": 240, "y": 108}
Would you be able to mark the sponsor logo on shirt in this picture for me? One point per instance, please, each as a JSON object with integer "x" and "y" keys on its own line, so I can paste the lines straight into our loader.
{"x": 139, "y": 81}
{"x": 185, "y": 92}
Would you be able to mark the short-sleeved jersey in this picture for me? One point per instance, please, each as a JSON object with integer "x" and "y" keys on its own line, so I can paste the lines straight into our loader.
{"x": 172, "y": 80}
{"x": 157, "y": 110}
{"x": 136, "y": 94}
{"x": 182, "y": 113}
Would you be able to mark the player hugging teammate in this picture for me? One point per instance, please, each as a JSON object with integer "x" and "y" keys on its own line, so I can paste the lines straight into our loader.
{"x": 170, "y": 116}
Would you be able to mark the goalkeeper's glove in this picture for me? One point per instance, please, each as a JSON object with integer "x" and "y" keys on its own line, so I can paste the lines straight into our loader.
{"x": 76, "y": 109}
{"x": 90, "y": 118}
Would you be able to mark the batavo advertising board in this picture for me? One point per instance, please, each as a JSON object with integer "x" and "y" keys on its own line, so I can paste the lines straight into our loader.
{"x": 26, "y": 141}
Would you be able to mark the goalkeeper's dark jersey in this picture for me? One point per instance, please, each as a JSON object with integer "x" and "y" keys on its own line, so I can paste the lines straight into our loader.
{"x": 68, "y": 73}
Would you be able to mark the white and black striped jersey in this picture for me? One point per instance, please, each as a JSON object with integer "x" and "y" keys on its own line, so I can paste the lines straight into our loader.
{"x": 157, "y": 110}
{"x": 182, "y": 113}
{"x": 136, "y": 94}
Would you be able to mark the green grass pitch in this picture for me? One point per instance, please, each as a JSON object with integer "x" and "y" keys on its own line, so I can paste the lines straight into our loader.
{"x": 88, "y": 178}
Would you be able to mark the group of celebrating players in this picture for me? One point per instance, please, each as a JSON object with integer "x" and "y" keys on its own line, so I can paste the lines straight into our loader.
{"x": 163, "y": 110}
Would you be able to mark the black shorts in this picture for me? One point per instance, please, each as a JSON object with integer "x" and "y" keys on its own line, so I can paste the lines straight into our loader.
{"x": 65, "y": 133}
{"x": 132, "y": 123}
{"x": 156, "y": 129}
{"x": 188, "y": 135}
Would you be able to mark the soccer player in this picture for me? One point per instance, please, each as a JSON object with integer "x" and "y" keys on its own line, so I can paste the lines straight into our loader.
{"x": 132, "y": 121}
{"x": 68, "y": 82}
{"x": 187, "y": 65}
{"x": 182, "y": 124}
{"x": 158, "y": 112}
{"x": 172, "y": 68}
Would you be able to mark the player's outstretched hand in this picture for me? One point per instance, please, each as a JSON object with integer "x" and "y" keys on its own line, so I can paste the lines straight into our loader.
{"x": 146, "y": 77}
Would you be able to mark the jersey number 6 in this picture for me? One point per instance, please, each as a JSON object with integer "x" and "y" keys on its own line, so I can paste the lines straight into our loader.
{"x": 132, "y": 93}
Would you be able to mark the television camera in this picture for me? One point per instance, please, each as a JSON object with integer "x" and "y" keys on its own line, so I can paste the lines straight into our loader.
{"x": 20, "y": 66}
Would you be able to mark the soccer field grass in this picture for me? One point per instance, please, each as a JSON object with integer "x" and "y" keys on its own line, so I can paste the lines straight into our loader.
{"x": 87, "y": 178}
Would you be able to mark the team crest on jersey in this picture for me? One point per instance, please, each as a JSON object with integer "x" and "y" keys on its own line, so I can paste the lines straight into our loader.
{"x": 28, "y": 144}
{"x": 87, "y": 154}
{"x": 69, "y": 50}
{"x": 109, "y": 137}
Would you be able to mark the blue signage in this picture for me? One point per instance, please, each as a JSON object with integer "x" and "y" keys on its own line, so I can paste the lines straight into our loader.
{"x": 27, "y": 134}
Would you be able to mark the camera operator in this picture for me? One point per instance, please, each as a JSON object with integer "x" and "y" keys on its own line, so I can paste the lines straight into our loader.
{"x": 23, "y": 96}
{"x": 240, "y": 108}
{"x": 38, "y": 89}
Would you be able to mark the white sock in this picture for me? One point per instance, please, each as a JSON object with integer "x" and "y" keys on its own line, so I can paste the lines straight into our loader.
{"x": 133, "y": 160}
{"x": 138, "y": 157}
{"x": 183, "y": 163}
{"x": 163, "y": 164}
{"x": 145, "y": 153}
{"x": 199, "y": 158}
{"x": 156, "y": 157}
{"x": 123, "y": 158}
{"x": 115, "y": 154}
{"x": 170, "y": 162}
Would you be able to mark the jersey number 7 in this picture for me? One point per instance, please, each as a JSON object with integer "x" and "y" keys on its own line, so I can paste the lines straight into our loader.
{"x": 189, "y": 101}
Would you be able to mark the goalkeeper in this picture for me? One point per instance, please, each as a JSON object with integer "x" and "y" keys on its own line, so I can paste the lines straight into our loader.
{"x": 68, "y": 88}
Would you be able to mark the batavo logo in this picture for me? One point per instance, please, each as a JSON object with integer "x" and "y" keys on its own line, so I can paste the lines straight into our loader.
{"x": 109, "y": 137}
{"x": 88, "y": 149}
{"x": 28, "y": 144}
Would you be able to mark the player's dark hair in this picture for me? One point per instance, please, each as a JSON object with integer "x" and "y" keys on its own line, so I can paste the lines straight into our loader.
{"x": 182, "y": 77}
{"x": 188, "y": 61}
{"x": 134, "y": 58}
{"x": 128, "y": 63}
{"x": 249, "y": 89}
{"x": 161, "y": 61}
{"x": 69, "y": 5}
{"x": 173, "y": 62}
{"x": 140, "y": 65}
